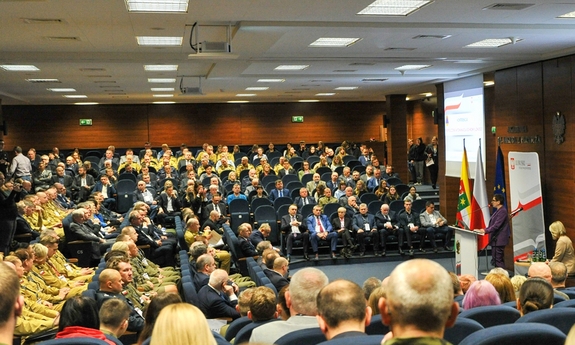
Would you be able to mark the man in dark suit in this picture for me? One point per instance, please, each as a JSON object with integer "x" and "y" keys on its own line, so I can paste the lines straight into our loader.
{"x": 212, "y": 223}
{"x": 162, "y": 253}
{"x": 205, "y": 265}
{"x": 244, "y": 232}
{"x": 108, "y": 191}
{"x": 436, "y": 224}
{"x": 293, "y": 226}
{"x": 278, "y": 274}
{"x": 79, "y": 231}
{"x": 260, "y": 234}
{"x": 216, "y": 205}
{"x": 279, "y": 191}
{"x": 303, "y": 198}
{"x": 111, "y": 288}
{"x": 217, "y": 299}
{"x": 333, "y": 184}
{"x": 343, "y": 225}
{"x": 22, "y": 226}
{"x": 146, "y": 195}
{"x": 314, "y": 183}
{"x": 61, "y": 177}
{"x": 320, "y": 229}
{"x": 286, "y": 169}
{"x": 410, "y": 224}
{"x": 386, "y": 222}
{"x": 83, "y": 184}
{"x": 168, "y": 205}
{"x": 62, "y": 196}
{"x": 363, "y": 226}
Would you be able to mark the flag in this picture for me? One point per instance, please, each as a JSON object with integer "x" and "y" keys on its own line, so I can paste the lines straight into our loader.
{"x": 463, "y": 204}
{"x": 499, "y": 187}
{"x": 480, "y": 203}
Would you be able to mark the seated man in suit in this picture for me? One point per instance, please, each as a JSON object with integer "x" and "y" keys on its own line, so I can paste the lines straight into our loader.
{"x": 335, "y": 297}
{"x": 279, "y": 191}
{"x": 168, "y": 205}
{"x": 295, "y": 228}
{"x": 343, "y": 225}
{"x": 320, "y": 229}
{"x": 217, "y": 299}
{"x": 333, "y": 184}
{"x": 108, "y": 192}
{"x": 285, "y": 169}
{"x": 217, "y": 205}
{"x": 435, "y": 224}
{"x": 79, "y": 231}
{"x": 244, "y": 232}
{"x": 212, "y": 223}
{"x": 162, "y": 253}
{"x": 410, "y": 224}
{"x": 389, "y": 173}
{"x": 327, "y": 198}
{"x": 111, "y": 288}
{"x": 386, "y": 222}
{"x": 311, "y": 186}
{"x": 205, "y": 265}
{"x": 261, "y": 234}
{"x": 146, "y": 195}
{"x": 278, "y": 274}
{"x": 262, "y": 309}
{"x": 364, "y": 225}
{"x": 61, "y": 177}
{"x": 83, "y": 184}
{"x": 303, "y": 198}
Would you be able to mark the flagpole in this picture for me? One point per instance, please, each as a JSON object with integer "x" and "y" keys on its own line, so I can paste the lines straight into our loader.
{"x": 484, "y": 249}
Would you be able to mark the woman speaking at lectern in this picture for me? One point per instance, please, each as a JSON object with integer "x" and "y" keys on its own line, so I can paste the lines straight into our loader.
{"x": 498, "y": 231}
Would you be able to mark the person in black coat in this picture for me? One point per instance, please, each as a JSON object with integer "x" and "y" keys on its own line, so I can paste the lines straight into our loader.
{"x": 217, "y": 299}
{"x": 293, "y": 226}
{"x": 386, "y": 222}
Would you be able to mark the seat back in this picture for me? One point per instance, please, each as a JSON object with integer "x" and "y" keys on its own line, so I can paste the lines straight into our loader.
{"x": 284, "y": 200}
{"x": 259, "y": 202}
{"x": 74, "y": 341}
{"x": 356, "y": 340}
{"x": 519, "y": 333}
{"x": 239, "y": 211}
{"x": 323, "y": 170}
{"x": 461, "y": 329}
{"x": 393, "y": 181}
{"x": 492, "y": 315}
{"x": 374, "y": 206}
{"x": 330, "y": 209}
{"x": 267, "y": 214}
{"x": 418, "y": 205}
{"x": 306, "y": 178}
{"x": 290, "y": 178}
{"x": 366, "y": 198}
{"x": 396, "y": 206}
{"x": 127, "y": 176}
{"x": 565, "y": 304}
{"x": 309, "y": 336}
{"x": 561, "y": 318}
{"x": 307, "y": 210}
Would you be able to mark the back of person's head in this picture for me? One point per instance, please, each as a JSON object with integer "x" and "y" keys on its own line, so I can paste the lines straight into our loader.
{"x": 499, "y": 270}
{"x": 153, "y": 310}
{"x": 284, "y": 312}
{"x": 557, "y": 229}
{"x": 217, "y": 278}
{"x": 279, "y": 263}
{"x": 517, "y": 281}
{"x": 197, "y": 249}
{"x": 540, "y": 270}
{"x": 466, "y": 280}
{"x": 456, "y": 284}
{"x": 244, "y": 301}
{"x": 373, "y": 300}
{"x": 481, "y": 293}
{"x": 419, "y": 294}
{"x": 262, "y": 304}
{"x": 203, "y": 261}
{"x": 113, "y": 257}
{"x": 263, "y": 245}
{"x": 503, "y": 285}
{"x": 304, "y": 288}
{"x": 173, "y": 326}
{"x": 10, "y": 287}
{"x": 535, "y": 294}
{"x": 114, "y": 313}
{"x": 79, "y": 311}
{"x": 369, "y": 285}
{"x": 340, "y": 301}
{"x": 269, "y": 258}
{"x": 558, "y": 273}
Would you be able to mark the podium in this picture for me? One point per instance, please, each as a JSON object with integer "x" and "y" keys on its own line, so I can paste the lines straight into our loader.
{"x": 466, "y": 256}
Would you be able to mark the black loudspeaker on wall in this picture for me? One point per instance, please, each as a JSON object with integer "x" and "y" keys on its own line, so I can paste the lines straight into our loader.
{"x": 437, "y": 116}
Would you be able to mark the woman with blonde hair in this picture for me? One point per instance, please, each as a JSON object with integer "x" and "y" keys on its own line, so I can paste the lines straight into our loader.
{"x": 173, "y": 326}
{"x": 564, "y": 248}
{"x": 503, "y": 285}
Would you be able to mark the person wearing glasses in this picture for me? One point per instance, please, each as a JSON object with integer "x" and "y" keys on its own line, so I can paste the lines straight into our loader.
{"x": 498, "y": 231}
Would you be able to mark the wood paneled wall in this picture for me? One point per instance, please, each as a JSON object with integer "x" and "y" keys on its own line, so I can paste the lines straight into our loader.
{"x": 43, "y": 127}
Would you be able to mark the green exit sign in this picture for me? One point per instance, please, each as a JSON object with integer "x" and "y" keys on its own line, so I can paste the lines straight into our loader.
{"x": 298, "y": 119}
{"x": 85, "y": 122}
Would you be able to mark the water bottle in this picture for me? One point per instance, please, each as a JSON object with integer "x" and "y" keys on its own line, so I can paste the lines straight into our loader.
{"x": 543, "y": 255}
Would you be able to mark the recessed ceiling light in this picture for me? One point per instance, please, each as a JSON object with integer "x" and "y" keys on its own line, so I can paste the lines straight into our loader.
{"x": 346, "y": 88}
{"x": 492, "y": 43}
{"x": 245, "y": 95}
{"x": 569, "y": 15}
{"x": 75, "y": 96}
{"x": 177, "y": 6}
{"x": 162, "y": 89}
{"x": 308, "y": 100}
{"x": 325, "y": 94}
{"x": 393, "y": 7}
{"x": 488, "y": 83}
{"x": 411, "y": 67}
{"x": 164, "y": 102}
{"x": 334, "y": 42}
{"x": 86, "y": 103}
{"x": 43, "y": 80}
{"x": 159, "y": 41}
{"x": 238, "y": 101}
{"x": 163, "y": 95}
{"x": 62, "y": 89}
{"x": 257, "y": 88}
{"x": 20, "y": 68}
{"x": 291, "y": 67}
{"x": 162, "y": 68}
{"x": 161, "y": 80}
{"x": 271, "y": 80}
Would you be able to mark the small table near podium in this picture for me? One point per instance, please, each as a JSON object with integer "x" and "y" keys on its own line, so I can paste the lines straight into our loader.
{"x": 466, "y": 255}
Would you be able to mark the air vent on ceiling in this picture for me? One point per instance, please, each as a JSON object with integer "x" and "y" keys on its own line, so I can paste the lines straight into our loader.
{"x": 440, "y": 37}
{"x": 104, "y": 81}
{"x": 44, "y": 81}
{"x": 89, "y": 69}
{"x": 292, "y": 92}
{"x": 62, "y": 38}
{"x": 114, "y": 91}
{"x": 109, "y": 86}
{"x": 508, "y": 7}
{"x": 373, "y": 80}
{"x": 320, "y": 81}
{"x": 345, "y": 70}
{"x": 399, "y": 49}
{"x": 300, "y": 89}
{"x": 42, "y": 20}
{"x": 99, "y": 76}
{"x": 361, "y": 64}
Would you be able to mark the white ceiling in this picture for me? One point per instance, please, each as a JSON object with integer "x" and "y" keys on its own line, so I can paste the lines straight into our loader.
{"x": 106, "y": 64}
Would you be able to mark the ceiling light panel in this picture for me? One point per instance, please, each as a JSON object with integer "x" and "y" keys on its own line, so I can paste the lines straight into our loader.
{"x": 62, "y": 89}
{"x": 411, "y": 67}
{"x": 43, "y": 80}
{"x": 164, "y": 102}
{"x": 569, "y": 15}
{"x": 271, "y": 80}
{"x": 174, "y": 6}
{"x": 161, "y": 80}
{"x": 86, "y": 103}
{"x": 160, "y": 68}
{"x": 163, "y": 41}
{"x": 257, "y": 88}
{"x": 346, "y": 88}
{"x": 75, "y": 96}
{"x": 20, "y": 68}
{"x": 334, "y": 42}
{"x": 163, "y": 95}
{"x": 492, "y": 43}
{"x": 325, "y": 94}
{"x": 291, "y": 67}
{"x": 245, "y": 95}
{"x": 393, "y": 7}
{"x": 162, "y": 89}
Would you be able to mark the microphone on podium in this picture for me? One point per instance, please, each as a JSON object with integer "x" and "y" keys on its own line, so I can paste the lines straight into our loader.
{"x": 514, "y": 213}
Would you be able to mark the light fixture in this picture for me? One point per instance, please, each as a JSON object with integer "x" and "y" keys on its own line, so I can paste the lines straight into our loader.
{"x": 346, "y": 88}
{"x": 493, "y": 42}
{"x": 75, "y": 96}
{"x": 271, "y": 80}
{"x": 488, "y": 83}
{"x": 62, "y": 89}
{"x": 162, "y": 89}
{"x": 163, "y": 95}
{"x": 334, "y": 42}
{"x": 257, "y": 88}
{"x": 308, "y": 100}
{"x": 291, "y": 67}
{"x": 85, "y": 103}
{"x": 20, "y": 68}
{"x": 160, "y": 68}
{"x": 164, "y": 102}
{"x": 411, "y": 67}
{"x": 393, "y": 7}
{"x": 325, "y": 94}
{"x": 245, "y": 95}
{"x": 161, "y": 80}
{"x": 238, "y": 101}
{"x": 159, "y": 41}
{"x": 569, "y": 15}
{"x": 175, "y": 6}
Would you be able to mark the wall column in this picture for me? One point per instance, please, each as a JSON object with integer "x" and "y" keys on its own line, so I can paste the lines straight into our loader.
{"x": 396, "y": 112}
